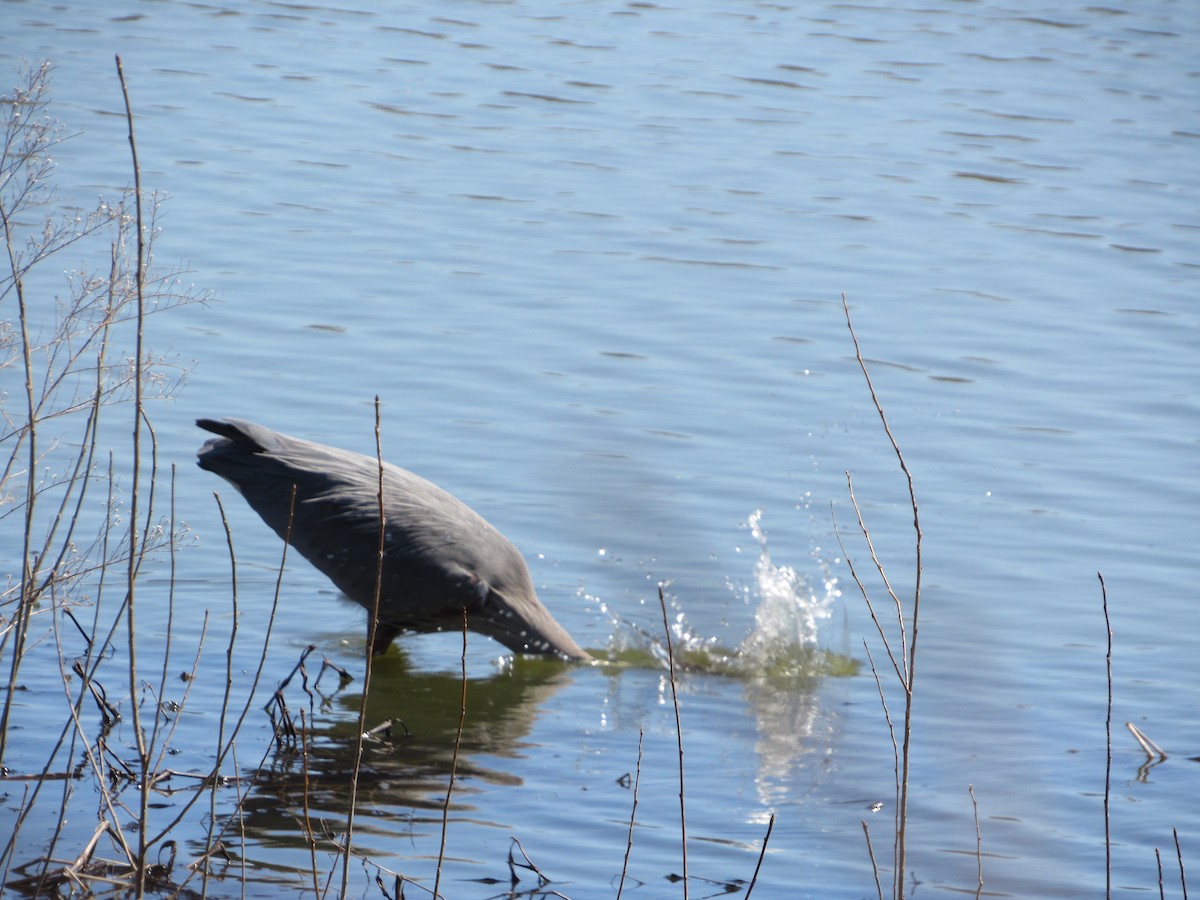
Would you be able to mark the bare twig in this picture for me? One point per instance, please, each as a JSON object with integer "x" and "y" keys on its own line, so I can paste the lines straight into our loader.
{"x": 637, "y": 779}
{"x": 1107, "y": 741}
{"x": 887, "y": 716}
{"x": 908, "y": 646}
{"x": 978, "y": 837}
{"x": 372, "y": 627}
{"x": 529, "y": 864}
{"x": 1151, "y": 749}
{"x": 871, "y": 853}
{"x": 134, "y": 489}
{"x": 862, "y": 587}
{"x": 1179, "y": 857}
{"x": 761, "y": 854}
{"x": 309, "y": 836}
{"x": 662, "y": 602}
{"x": 462, "y": 720}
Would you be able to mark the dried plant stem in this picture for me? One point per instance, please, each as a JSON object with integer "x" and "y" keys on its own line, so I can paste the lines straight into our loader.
{"x": 887, "y": 716}
{"x": 1107, "y": 741}
{"x": 134, "y": 491}
{"x": 978, "y": 837}
{"x": 761, "y": 853}
{"x": 637, "y": 780}
{"x": 1179, "y": 857}
{"x": 462, "y": 721}
{"x": 906, "y": 669}
{"x": 372, "y": 627}
{"x": 662, "y": 602}
{"x": 26, "y": 602}
{"x": 27, "y": 598}
{"x": 871, "y": 853}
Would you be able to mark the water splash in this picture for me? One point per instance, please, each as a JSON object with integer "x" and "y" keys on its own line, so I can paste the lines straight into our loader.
{"x": 790, "y": 612}
{"x": 783, "y": 643}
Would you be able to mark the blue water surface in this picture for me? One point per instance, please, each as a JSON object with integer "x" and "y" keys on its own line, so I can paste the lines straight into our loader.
{"x": 591, "y": 259}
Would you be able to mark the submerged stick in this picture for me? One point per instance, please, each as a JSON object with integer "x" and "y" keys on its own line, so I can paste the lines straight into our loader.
{"x": 1151, "y": 749}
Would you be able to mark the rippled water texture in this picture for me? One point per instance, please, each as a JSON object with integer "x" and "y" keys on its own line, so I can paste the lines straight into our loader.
{"x": 590, "y": 258}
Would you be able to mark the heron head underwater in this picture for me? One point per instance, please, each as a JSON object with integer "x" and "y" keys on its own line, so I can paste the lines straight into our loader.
{"x": 440, "y": 557}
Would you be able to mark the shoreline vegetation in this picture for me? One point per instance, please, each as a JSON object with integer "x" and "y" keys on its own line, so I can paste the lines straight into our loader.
{"x": 86, "y": 525}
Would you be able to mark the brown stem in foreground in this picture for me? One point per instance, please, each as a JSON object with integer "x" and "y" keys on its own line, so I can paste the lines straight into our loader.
{"x": 978, "y": 840}
{"x": 462, "y": 720}
{"x": 1107, "y": 742}
{"x": 130, "y": 605}
{"x": 761, "y": 853}
{"x": 637, "y": 780}
{"x": 908, "y": 649}
{"x": 662, "y": 602}
{"x": 1179, "y": 857}
{"x": 871, "y": 853}
{"x": 372, "y": 627}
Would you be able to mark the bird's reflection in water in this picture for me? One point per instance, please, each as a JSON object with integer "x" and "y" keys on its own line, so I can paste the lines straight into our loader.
{"x": 405, "y": 765}
{"x": 765, "y": 698}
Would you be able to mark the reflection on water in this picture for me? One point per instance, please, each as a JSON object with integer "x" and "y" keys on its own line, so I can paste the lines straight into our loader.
{"x": 406, "y": 764}
{"x": 616, "y": 322}
{"x": 771, "y": 682}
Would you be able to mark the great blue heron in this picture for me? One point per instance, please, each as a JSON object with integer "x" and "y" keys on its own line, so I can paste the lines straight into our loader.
{"x": 440, "y": 556}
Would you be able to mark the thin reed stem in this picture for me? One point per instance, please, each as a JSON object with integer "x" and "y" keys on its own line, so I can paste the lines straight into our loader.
{"x": 978, "y": 839}
{"x": 662, "y": 602}
{"x": 372, "y": 628}
{"x": 1107, "y": 741}
{"x": 1179, "y": 857}
{"x": 462, "y": 721}
{"x": 134, "y": 495}
{"x": 871, "y": 854}
{"x": 761, "y": 854}
{"x": 28, "y": 570}
{"x": 637, "y": 780}
{"x": 908, "y": 641}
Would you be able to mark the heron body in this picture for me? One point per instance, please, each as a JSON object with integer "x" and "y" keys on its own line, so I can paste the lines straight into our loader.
{"x": 439, "y": 556}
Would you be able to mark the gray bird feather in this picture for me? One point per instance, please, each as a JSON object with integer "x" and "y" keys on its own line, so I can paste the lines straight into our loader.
{"x": 440, "y": 556}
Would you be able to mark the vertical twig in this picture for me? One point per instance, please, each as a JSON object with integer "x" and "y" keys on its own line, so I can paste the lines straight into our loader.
{"x": 978, "y": 839}
{"x": 28, "y": 570}
{"x": 162, "y": 679}
{"x": 1179, "y": 857}
{"x": 372, "y": 627}
{"x": 761, "y": 854}
{"x": 225, "y": 741}
{"x": 871, "y": 853}
{"x": 309, "y": 837}
{"x": 462, "y": 720}
{"x": 1107, "y": 742}
{"x": 134, "y": 487}
{"x": 662, "y": 602}
{"x": 637, "y": 780}
{"x": 909, "y": 646}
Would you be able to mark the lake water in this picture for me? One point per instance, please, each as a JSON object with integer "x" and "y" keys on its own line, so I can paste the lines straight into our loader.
{"x": 590, "y": 257}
